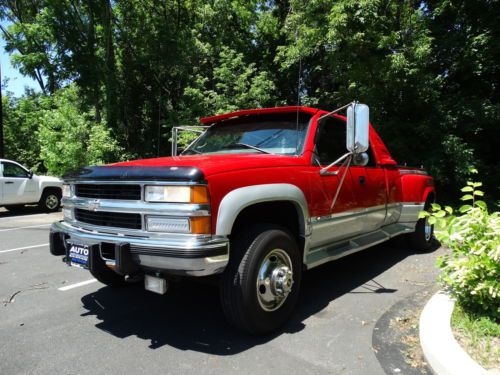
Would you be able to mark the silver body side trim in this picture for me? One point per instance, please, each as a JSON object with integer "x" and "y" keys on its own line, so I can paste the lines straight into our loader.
{"x": 393, "y": 213}
{"x": 237, "y": 200}
{"x": 339, "y": 249}
{"x": 332, "y": 228}
{"x": 409, "y": 212}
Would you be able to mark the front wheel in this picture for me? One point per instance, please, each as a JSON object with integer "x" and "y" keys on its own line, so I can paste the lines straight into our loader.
{"x": 50, "y": 200}
{"x": 261, "y": 283}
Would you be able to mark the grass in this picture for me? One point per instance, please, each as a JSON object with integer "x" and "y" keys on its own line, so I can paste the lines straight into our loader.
{"x": 479, "y": 335}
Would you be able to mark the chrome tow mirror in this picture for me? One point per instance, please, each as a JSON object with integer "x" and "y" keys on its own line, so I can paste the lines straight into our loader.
{"x": 357, "y": 128}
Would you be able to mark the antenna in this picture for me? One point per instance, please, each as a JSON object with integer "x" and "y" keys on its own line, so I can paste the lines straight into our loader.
{"x": 299, "y": 84}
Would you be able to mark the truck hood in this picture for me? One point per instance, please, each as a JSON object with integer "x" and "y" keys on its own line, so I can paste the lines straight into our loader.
{"x": 48, "y": 179}
{"x": 215, "y": 164}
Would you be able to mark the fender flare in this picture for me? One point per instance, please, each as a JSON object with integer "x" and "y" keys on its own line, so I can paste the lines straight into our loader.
{"x": 43, "y": 185}
{"x": 237, "y": 200}
{"x": 428, "y": 191}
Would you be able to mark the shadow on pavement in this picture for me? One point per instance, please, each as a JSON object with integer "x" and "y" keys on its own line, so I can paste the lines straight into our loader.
{"x": 25, "y": 211}
{"x": 189, "y": 316}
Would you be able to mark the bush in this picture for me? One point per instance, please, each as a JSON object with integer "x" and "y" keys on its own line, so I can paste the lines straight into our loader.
{"x": 472, "y": 270}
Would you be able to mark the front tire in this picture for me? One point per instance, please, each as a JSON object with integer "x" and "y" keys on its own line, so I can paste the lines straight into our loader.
{"x": 50, "y": 200}
{"x": 261, "y": 283}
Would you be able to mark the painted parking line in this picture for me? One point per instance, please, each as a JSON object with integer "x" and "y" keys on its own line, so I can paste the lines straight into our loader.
{"x": 27, "y": 216}
{"x": 72, "y": 286}
{"x": 24, "y": 248}
{"x": 26, "y": 227}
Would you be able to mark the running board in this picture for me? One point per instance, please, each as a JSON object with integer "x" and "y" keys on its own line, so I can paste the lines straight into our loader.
{"x": 323, "y": 254}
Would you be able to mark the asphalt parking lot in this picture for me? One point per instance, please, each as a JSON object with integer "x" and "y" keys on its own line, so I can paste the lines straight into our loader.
{"x": 58, "y": 320}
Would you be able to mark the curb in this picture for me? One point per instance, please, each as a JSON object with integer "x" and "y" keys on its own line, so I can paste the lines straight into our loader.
{"x": 441, "y": 350}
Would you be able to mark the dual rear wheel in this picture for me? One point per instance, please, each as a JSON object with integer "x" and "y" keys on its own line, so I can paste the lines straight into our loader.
{"x": 421, "y": 239}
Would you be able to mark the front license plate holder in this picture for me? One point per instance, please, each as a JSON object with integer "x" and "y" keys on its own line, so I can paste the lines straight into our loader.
{"x": 79, "y": 255}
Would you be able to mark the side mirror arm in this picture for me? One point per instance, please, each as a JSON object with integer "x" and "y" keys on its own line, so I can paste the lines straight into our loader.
{"x": 324, "y": 171}
{"x": 335, "y": 111}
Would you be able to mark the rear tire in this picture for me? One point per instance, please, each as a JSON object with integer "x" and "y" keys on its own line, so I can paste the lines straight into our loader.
{"x": 50, "y": 200}
{"x": 421, "y": 239}
{"x": 261, "y": 283}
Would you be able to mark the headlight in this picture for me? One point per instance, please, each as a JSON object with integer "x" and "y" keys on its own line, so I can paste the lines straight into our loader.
{"x": 176, "y": 194}
{"x": 66, "y": 190}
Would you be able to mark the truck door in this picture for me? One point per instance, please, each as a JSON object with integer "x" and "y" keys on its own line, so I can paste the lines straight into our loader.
{"x": 370, "y": 191}
{"x": 17, "y": 188}
{"x": 331, "y": 225}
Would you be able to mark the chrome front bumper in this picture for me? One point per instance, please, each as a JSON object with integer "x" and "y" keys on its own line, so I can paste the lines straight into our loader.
{"x": 189, "y": 255}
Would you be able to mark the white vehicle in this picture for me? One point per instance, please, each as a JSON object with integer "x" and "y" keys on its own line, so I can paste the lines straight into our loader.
{"x": 19, "y": 186}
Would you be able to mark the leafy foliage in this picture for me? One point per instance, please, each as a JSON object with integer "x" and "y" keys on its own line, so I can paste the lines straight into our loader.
{"x": 428, "y": 69}
{"x": 21, "y": 123}
{"x": 69, "y": 138}
{"x": 472, "y": 269}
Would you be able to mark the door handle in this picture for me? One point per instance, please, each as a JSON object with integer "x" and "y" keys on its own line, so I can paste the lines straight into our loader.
{"x": 362, "y": 180}
{"x": 9, "y": 182}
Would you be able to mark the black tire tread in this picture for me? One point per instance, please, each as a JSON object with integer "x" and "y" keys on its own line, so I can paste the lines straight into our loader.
{"x": 417, "y": 238}
{"x": 45, "y": 193}
{"x": 244, "y": 246}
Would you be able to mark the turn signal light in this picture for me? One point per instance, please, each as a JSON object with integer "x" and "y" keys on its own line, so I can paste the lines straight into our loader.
{"x": 200, "y": 225}
{"x": 199, "y": 194}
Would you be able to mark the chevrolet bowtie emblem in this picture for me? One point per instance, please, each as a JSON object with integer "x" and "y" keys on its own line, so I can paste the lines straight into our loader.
{"x": 93, "y": 206}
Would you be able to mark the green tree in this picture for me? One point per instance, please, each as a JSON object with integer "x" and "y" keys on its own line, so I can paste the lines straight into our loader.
{"x": 70, "y": 139}
{"x": 428, "y": 69}
{"x": 21, "y": 123}
{"x": 235, "y": 84}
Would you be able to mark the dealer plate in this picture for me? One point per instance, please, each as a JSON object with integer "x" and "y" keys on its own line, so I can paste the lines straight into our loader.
{"x": 79, "y": 255}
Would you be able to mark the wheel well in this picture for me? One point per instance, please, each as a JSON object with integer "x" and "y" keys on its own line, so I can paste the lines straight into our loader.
{"x": 282, "y": 213}
{"x": 51, "y": 188}
{"x": 431, "y": 197}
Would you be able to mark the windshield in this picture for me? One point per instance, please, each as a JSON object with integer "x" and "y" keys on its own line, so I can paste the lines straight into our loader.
{"x": 271, "y": 134}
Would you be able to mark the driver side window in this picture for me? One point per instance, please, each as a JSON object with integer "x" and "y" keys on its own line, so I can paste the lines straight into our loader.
{"x": 330, "y": 140}
{"x": 12, "y": 170}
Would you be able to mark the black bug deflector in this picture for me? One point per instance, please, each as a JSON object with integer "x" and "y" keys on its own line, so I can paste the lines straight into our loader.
{"x": 123, "y": 173}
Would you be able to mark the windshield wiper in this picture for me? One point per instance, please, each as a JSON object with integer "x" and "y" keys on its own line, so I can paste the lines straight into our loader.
{"x": 248, "y": 146}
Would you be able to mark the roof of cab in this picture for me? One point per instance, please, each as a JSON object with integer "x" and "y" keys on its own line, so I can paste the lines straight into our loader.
{"x": 258, "y": 111}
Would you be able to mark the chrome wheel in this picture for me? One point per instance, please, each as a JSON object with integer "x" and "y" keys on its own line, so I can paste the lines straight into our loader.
{"x": 274, "y": 280}
{"x": 51, "y": 202}
{"x": 427, "y": 230}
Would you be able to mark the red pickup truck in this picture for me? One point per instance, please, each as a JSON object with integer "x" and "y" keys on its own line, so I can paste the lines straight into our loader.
{"x": 261, "y": 196}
